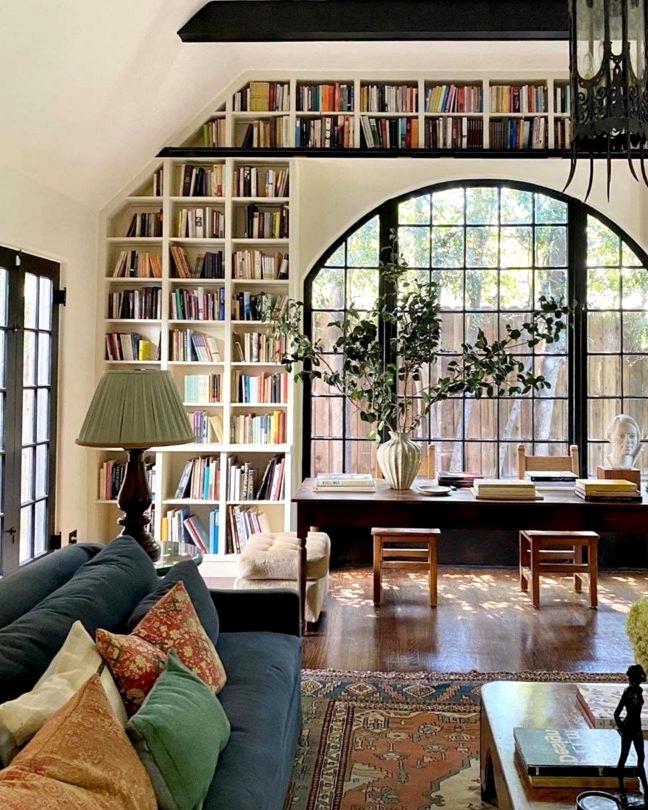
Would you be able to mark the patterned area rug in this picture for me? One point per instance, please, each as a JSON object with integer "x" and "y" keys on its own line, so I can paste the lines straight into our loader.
{"x": 395, "y": 741}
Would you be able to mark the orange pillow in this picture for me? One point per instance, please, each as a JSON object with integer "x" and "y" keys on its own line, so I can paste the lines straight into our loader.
{"x": 136, "y": 660}
{"x": 80, "y": 759}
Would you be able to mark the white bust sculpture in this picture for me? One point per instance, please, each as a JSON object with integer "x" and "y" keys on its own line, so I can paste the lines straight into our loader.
{"x": 624, "y": 436}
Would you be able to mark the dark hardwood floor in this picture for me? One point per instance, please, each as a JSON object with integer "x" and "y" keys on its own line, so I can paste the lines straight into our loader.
{"x": 483, "y": 622}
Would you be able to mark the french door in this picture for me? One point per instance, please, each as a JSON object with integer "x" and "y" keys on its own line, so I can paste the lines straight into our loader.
{"x": 29, "y": 297}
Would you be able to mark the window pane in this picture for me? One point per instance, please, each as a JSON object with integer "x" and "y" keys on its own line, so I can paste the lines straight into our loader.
{"x": 28, "y": 416}
{"x": 327, "y": 456}
{"x": 482, "y": 206}
{"x": 447, "y": 247}
{"x": 635, "y": 288}
{"x": 600, "y": 412}
{"x": 603, "y": 288}
{"x": 516, "y": 289}
{"x": 482, "y": 247}
{"x": 603, "y": 245}
{"x": 26, "y": 533}
{"x": 551, "y": 247}
{"x": 635, "y": 375}
{"x": 549, "y": 209}
{"x": 516, "y": 418}
{"x": 414, "y": 246}
{"x": 603, "y": 332}
{"x": 551, "y": 283}
{"x": 31, "y": 300}
{"x": 46, "y": 289}
{"x": 29, "y": 358}
{"x": 27, "y": 475}
{"x": 635, "y": 332}
{"x": 516, "y": 247}
{"x": 41, "y": 471}
{"x": 4, "y": 280}
{"x": 448, "y": 207}
{"x": 328, "y": 288}
{"x": 363, "y": 247}
{"x": 415, "y": 211}
{"x": 42, "y": 415}
{"x": 44, "y": 358}
{"x": 481, "y": 289}
{"x": 517, "y": 206}
{"x": 40, "y": 528}
{"x": 362, "y": 287}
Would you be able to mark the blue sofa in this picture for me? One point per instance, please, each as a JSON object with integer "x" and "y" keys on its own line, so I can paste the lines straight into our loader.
{"x": 256, "y": 634}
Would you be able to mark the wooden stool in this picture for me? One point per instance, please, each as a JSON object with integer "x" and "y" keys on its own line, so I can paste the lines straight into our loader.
{"x": 423, "y": 559}
{"x": 554, "y": 552}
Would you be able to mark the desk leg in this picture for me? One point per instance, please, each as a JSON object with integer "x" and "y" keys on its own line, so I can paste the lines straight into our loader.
{"x": 377, "y": 567}
{"x": 301, "y": 581}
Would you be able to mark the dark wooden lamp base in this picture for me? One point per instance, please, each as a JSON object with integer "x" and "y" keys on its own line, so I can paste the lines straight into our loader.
{"x": 134, "y": 500}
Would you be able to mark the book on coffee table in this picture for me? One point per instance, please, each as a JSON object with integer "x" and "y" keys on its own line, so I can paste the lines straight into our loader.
{"x": 574, "y": 757}
{"x": 598, "y": 702}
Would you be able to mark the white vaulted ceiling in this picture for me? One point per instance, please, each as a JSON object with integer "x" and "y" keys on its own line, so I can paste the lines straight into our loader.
{"x": 91, "y": 90}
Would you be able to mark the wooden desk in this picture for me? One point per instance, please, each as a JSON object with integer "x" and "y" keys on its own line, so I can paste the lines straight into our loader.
{"x": 348, "y": 517}
{"x": 504, "y": 705}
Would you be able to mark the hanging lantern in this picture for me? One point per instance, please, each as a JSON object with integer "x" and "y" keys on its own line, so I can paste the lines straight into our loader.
{"x": 609, "y": 82}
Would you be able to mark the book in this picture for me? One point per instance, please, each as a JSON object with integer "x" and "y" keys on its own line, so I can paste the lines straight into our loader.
{"x": 598, "y": 702}
{"x": 456, "y": 479}
{"x": 605, "y": 486}
{"x": 559, "y": 476}
{"x": 504, "y": 489}
{"x": 348, "y": 482}
{"x": 611, "y": 497}
{"x": 571, "y": 756}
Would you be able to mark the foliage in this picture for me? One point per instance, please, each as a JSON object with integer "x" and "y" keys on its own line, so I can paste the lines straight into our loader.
{"x": 637, "y": 629}
{"x": 377, "y": 357}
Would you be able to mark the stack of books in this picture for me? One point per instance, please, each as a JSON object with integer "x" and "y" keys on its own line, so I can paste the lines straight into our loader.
{"x": 456, "y": 479}
{"x": 344, "y": 482}
{"x": 598, "y": 702}
{"x": 607, "y": 489}
{"x": 572, "y": 757}
{"x": 514, "y": 489}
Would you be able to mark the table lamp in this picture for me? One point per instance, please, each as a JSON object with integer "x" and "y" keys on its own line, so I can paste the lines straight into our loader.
{"x": 136, "y": 409}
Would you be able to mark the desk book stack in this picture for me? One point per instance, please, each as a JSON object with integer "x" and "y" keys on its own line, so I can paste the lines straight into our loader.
{"x": 344, "y": 482}
{"x": 616, "y": 490}
{"x": 573, "y": 757}
{"x": 598, "y": 702}
{"x": 514, "y": 489}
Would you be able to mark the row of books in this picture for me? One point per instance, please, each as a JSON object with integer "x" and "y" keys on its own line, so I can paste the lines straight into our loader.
{"x": 253, "y": 181}
{"x": 255, "y": 264}
{"x": 129, "y": 346}
{"x": 198, "y": 305}
{"x": 328, "y": 97}
{"x": 266, "y": 224}
{"x": 389, "y": 133}
{"x": 199, "y": 479}
{"x": 579, "y": 757}
{"x": 267, "y": 387}
{"x": 244, "y": 521}
{"x": 209, "y": 264}
{"x": 207, "y": 427}
{"x": 258, "y": 347}
{"x": 518, "y": 133}
{"x": 137, "y": 264}
{"x": 245, "y": 483}
{"x": 188, "y": 345}
{"x": 143, "y": 303}
{"x": 203, "y": 389}
{"x": 182, "y": 526}
{"x": 525, "y": 98}
{"x": 389, "y": 98}
{"x": 214, "y": 132}
{"x": 200, "y": 223}
{"x": 111, "y": 475}
{"x": 201, "y": 181}
{"x": 262, "y": 96}
{"x": 267, "y": 133}
{"x": 145, "y": 223}
{"x": 454, "y": 133}
{"x": 328, "y": 132}
{"x": 453, "y": 98}
{"x": 249, "y": 306}
{"x": 265, "y": 428}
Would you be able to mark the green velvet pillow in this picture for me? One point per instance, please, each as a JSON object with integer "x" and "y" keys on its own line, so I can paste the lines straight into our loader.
{"x": 179, "y": 733}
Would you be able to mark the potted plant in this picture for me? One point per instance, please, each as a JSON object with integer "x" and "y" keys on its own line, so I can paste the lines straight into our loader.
{"x": 385, "y": 377}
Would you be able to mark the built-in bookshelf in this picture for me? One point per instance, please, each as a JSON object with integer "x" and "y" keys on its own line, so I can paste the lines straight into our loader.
{"x": 194, "y": 259}
{"x": 497, "y": 114}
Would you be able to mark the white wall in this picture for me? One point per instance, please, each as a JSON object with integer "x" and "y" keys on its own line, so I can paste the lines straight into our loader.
{"x": 45, "y": 223}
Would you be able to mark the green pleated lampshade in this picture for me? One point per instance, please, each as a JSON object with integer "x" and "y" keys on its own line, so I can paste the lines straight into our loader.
{"x": 139, "y": 408}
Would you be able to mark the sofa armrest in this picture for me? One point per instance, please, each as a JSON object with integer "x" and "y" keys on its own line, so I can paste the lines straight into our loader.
{"x": 273, "y": 610}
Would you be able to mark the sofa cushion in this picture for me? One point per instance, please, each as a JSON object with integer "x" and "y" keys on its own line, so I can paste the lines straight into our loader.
{"x": 262, "y": 700}
{"x": 187, "y": 572}
{"x": 21, "y": 590}
{"x": 68, "y": 671}
{"x": 136, "y": 660}
{"x": 178, "y": 711}
{"x": 81, "y": 759}
{"x": 102, "y": 592}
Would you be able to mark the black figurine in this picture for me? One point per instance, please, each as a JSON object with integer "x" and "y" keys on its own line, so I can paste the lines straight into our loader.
{"x": 630, "y": 727}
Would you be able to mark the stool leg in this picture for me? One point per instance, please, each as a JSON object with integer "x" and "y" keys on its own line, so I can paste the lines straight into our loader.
{"x": 578, "y": 559}
{"x": 592, "y": 561}
{"x": 432, "y": 562}
{"x": 524, "y": 561}
{"x": 377, "y": 566}
{"x": 535, "y": 572}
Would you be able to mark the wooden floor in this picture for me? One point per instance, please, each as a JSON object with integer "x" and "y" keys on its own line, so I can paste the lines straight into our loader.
{"x": 482, "y": 622}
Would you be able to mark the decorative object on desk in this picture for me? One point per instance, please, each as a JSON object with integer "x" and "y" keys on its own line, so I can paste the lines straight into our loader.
{"x": 136, "y": 409}
{"x": 624, "y": 435}
{"x": 387, "y": 358}
{"x": 399, "y": 459}
{"x": 608, "y": 67}
{"x": 627, "y": 717}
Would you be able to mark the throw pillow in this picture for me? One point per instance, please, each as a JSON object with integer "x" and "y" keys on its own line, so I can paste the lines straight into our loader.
{"x": 187, "y": 572}
{"x": 74, "y": 663}
{"x": 81, "y": 759}
{"x": 179, "y": 711}
{"x": 136, "y": 660}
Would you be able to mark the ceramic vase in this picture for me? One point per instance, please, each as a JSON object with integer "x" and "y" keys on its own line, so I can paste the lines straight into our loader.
{"x": 399, "y": 459}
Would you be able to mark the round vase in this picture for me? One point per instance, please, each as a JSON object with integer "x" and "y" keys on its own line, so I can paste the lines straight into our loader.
{"x": 399, "y": 459}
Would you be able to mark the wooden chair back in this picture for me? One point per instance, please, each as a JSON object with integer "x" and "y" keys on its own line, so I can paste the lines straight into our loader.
{"x": 527, "y": 463}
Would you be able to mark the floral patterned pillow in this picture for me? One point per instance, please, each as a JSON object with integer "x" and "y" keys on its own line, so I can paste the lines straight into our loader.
{"x": 136, "y": 660}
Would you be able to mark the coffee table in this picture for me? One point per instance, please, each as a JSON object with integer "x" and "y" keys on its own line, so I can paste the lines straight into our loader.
{"x": 504, "y": 705}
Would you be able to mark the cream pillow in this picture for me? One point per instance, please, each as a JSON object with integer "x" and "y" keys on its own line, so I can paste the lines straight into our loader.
{"x": 70, "y": 668}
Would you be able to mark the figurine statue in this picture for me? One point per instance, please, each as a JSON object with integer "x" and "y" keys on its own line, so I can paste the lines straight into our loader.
{"x": 630, "y": 728}
{"x": 624, "y": 435}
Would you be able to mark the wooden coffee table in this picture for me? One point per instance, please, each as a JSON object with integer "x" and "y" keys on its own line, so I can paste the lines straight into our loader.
{"x": 504, "y": 705}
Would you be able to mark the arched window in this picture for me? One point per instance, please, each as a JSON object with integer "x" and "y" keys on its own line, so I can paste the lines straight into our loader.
{"x": 494, "y": 249}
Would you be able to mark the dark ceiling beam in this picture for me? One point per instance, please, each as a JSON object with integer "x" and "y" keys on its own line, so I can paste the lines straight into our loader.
{"x": 376, "y": 20}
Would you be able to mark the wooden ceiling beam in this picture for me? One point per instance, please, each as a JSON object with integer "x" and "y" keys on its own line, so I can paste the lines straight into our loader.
{"x": 376, "y": 20}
